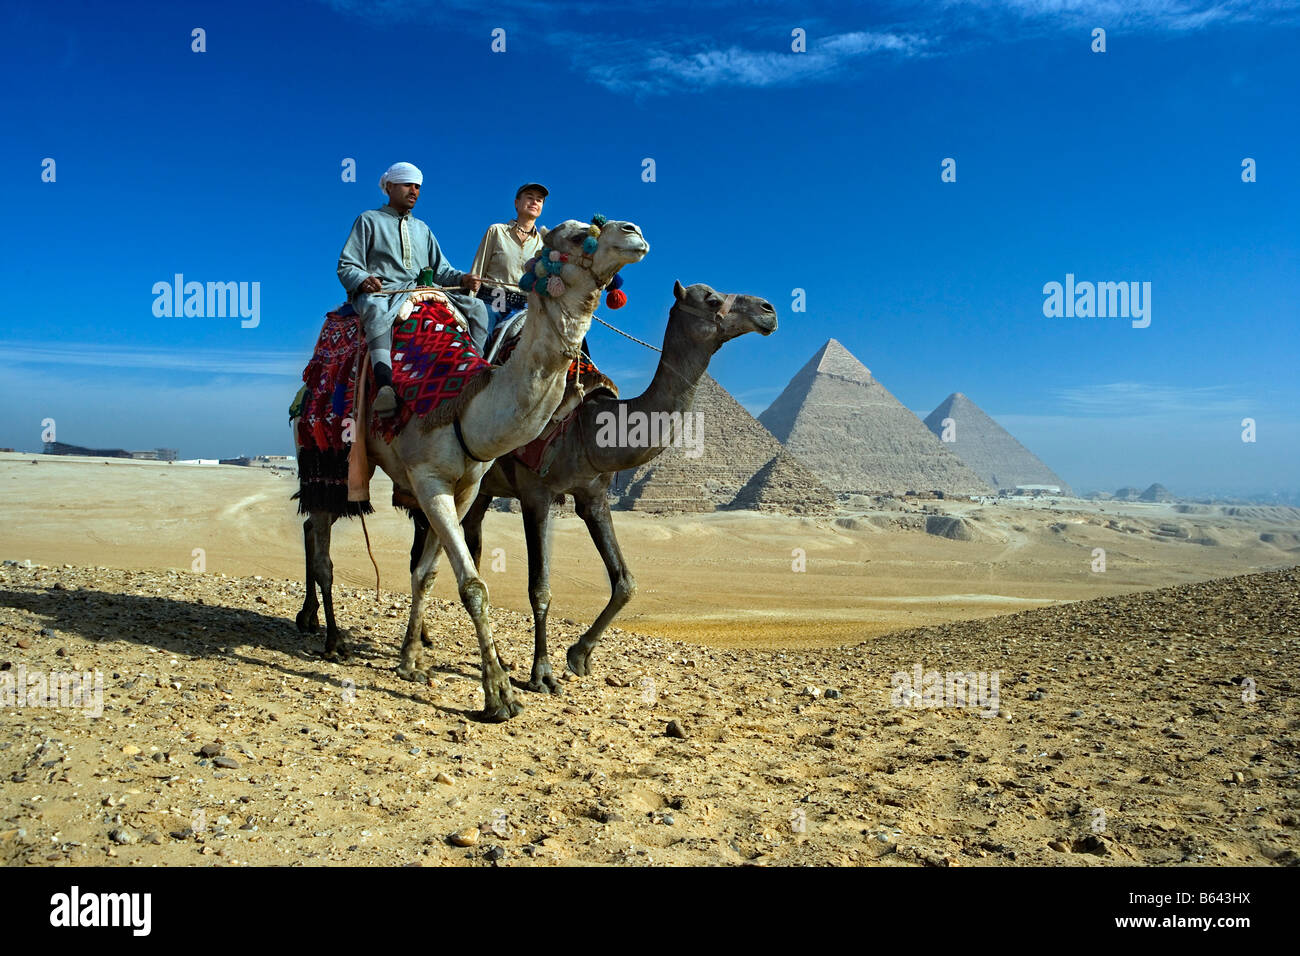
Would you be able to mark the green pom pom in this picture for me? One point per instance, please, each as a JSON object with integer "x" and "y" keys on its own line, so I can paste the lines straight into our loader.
{"x": 598, "y": 220}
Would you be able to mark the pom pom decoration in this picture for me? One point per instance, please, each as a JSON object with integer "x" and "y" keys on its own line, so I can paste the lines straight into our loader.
{"x": 598, "y": 220}
{"x": 555, "y": 286}
{"x": 527, "y": 280}
{"x": 616, "y": 299}
{"x": 554, "y": 256}
{"x": 554, "y": 267}
{"x": 593, "y": 230}
{"x": 589, "y": 245}
{"x": 540, "y": 269}
{"x": 616, "y": 282}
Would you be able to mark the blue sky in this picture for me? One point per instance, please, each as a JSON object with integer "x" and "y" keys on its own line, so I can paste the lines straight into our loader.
{"x": 775, "y": 170}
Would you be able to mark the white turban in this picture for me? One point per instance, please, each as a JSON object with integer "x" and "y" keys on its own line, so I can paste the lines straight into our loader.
{"x": 400, "y": 173}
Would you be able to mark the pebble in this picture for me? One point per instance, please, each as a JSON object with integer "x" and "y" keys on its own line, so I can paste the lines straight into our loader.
{"x": 229, "y": 763}
{"x": 676, "y": 729}
{"x": 494, "y": 854}
{"x": 130, "y": 750}
{"x": 833, "y": 694}
{"x": 443, "y": 778}
{"x": 811, "y": 691}
{"x": 467, "y": 837}
{"x": 210, "y": 750}
{"x": 122, "y": 836}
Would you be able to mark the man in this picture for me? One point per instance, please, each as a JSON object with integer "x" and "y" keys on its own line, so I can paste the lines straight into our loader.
{"x": 506, "y": 246}
{"x": 387, "y": 249}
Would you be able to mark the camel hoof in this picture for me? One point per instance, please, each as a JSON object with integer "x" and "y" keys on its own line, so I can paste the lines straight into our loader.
{"x": 337, "y": 650}
{"x": 579, "y": 661}
{"x": 502, "y": 713}
{"x": 412, "y": 673}
{"x": 307, "y": 623}
{"x": 547, "y": 685}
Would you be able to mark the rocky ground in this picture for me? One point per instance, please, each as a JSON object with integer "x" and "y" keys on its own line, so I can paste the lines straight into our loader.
{"x": 1151, "y": 728}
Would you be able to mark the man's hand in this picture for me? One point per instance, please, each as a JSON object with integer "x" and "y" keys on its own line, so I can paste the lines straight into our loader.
{"x": 471, "y": 283}
{"x": 371, "y": 284}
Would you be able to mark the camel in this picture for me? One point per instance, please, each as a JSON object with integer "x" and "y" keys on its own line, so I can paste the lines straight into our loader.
{"x": 699, "y": 323}
{"x": 440, "y": 467}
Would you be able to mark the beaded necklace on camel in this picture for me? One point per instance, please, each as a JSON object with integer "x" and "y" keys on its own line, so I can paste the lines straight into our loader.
{"x": 542, "y": 272}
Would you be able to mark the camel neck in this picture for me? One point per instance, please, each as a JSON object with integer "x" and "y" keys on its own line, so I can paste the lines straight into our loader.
{"x": 524, "y": 392}
{"x": 681, "y": 366}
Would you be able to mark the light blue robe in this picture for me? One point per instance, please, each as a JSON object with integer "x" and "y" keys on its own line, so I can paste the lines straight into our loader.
{"x": 396, "y": 247}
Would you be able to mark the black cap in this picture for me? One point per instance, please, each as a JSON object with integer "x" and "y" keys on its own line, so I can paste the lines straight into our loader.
{"x": 538, "y": 186}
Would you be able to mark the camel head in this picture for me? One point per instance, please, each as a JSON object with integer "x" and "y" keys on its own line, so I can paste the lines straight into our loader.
{"x": 704, "y": 316}
{"x": 619, "y": 244}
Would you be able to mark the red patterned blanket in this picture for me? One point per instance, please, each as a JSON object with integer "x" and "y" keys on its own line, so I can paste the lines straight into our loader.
{"x": 436, "y": 369}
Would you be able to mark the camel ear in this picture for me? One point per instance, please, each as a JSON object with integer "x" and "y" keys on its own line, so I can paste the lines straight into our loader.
{"x": 678, "y": 292}
{"x": 567, "y": 236}
{"x": 543, "y": 232}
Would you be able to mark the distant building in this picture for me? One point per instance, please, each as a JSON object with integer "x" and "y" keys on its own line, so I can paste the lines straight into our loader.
{"x": 157, "y": 454}
{"x": 60, "y": 448}
{"x": 1036, "y": 490}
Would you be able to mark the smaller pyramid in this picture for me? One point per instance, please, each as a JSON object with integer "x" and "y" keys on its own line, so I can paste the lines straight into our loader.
{"x": 742, "y": 467}
{"x": 989, "y": 449}
{"x": 1156, "y": 492}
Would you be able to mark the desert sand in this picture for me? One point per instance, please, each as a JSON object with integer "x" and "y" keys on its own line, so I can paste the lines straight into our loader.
{"x": 1132, "y": 725}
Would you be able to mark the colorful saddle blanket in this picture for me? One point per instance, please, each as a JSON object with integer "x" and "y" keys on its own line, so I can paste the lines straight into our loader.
{"x": 436, "y": 368}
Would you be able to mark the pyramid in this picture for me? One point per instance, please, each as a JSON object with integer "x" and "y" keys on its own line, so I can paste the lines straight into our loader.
{"x": 742, "y": 467}
{"x": 857, "y": 437}
{"x": 988, "y": 448}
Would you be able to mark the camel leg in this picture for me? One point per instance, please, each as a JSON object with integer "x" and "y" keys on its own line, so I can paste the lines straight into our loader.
{"x": 537, "y": 532}
{"x": 439, "y": 505}
{"x": 423, "y": 574}
{"x": 419, "y": 540}
{"x": 594, "y": 510}
{"x": 472, "y": 527}
{"x": 308, "y": 620}
{"x": 322, "y": 569}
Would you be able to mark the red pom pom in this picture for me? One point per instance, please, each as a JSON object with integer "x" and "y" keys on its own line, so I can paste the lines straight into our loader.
{"x": 616, "y": 299}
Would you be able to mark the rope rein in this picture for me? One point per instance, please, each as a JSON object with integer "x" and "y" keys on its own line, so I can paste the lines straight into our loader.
{"x": 371, "y": 553}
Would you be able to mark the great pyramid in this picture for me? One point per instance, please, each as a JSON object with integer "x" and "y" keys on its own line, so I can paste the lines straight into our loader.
{"x": 989, "y": 449}
{"x": 742, "y": 467}
{"x": 855, "y": 436}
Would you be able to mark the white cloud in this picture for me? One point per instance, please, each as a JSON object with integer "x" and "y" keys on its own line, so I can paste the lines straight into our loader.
{"x": 1142, "y": 400}
{"x": 208, "y": 361}
{"x": 666, "y": 69}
